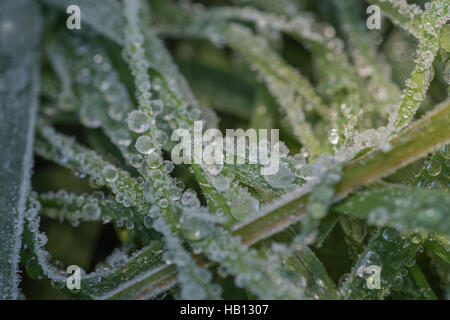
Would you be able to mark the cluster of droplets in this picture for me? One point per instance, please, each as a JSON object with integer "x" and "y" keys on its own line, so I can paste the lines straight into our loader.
{"x": 434, "y": 17}
{"x": 86, "y": 207}
{"x": 260, "y": 276}
{"x": 142, "y": 120}
{"x": 387, "y": 255}
{"x": 435, "y": 174}
{"x": 67, "y": 152}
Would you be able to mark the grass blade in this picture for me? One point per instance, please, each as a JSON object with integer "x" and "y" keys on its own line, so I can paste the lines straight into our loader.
{"x": 19, "y": 71}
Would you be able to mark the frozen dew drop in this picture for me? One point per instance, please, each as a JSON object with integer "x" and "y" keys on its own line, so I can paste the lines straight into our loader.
{"x": 213, "y": 169}
{"x": 157, "y": 106}
{"x": 147, "y": 191}
{"x": 89, "y": 117}
{"x": 148, "y": 222}
{"x": 220, "y": 212}
{"x": 129, "y": 225}
{"x": 168, "y": 166}
{"x": 106, "y": 219}
{"x": 121, "y": 137}
{"x": 191, "y": 230}
{"x": 110, "y": 173}
{"x": 221, "y": 183}
{"x": 189, "y": 198}
{"x": 116, "y": 112}
{"x": 418, "y": 96}
{"x": 138, "y": 121}
{"x": 282, "y": 179}
{"x": 91, "y": 211}
{"x": 174, "y": 193}
{"x": 163, "y": 203}
{"x": 244, "y": 206}
{"x": 434, "y": 168}
{"x": 154, "y": 160}
{"x": 145, "y": 145}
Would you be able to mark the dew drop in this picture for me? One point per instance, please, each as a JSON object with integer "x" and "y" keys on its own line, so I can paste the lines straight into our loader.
{"x": 157, "y": 106}
{"x": 154, "y": 160}
{"x": 145, "y": 145}
{"x": 91, "y": 211}
{"x": 434, "y": 168}
{"x": 110, "y": 173}
{"x": 221, "y": 183}
{"x": 138, "y": 121}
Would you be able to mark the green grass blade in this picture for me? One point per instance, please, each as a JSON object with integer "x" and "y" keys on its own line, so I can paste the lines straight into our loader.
{"x": 20, "y": 78}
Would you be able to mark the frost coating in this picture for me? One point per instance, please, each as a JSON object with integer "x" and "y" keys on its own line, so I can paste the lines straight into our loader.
{"x": 18, "y": 108}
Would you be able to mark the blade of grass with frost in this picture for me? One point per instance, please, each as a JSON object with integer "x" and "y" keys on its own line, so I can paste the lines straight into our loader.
{"x": 434, "y": 17}
{"x": 389, "y": 252}
{"x": 401, "y": 207}
{"x": 407, "y": 16}
{"x": 70, "y": 206}
{"x": 20, "y": 78}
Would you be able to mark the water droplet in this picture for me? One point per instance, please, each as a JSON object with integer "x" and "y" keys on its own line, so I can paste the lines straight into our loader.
{"x": 91, "y": 211}
{"x": 154, "y": 160}
{"x": 221, "y": 183}
{"x": 189, "y": 198}
{"x": 157, "y": 106}
{"x": 110, "y": 173}
{"x": 145, "y": 145}
{"x": 138, "y": 121}
{"x": 434, "y": 168}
